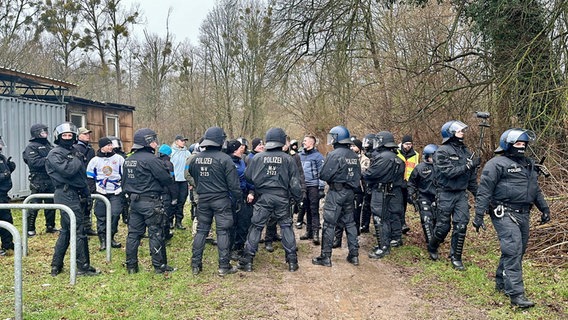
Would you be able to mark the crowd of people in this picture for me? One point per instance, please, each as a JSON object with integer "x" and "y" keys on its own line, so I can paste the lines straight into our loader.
{"x": 247, "y": 191}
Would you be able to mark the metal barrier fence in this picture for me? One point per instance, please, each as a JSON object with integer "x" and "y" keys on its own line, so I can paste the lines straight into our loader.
{"x": 50, "y": 196}
{"x": 17, "y": 267}
{"x": 73, "y": 227}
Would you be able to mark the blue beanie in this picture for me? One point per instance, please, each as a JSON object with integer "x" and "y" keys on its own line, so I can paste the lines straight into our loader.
{"x": 165, "y": 149}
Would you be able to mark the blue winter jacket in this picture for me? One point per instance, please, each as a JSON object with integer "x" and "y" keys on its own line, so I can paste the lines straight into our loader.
{"x": 312, "y": 161}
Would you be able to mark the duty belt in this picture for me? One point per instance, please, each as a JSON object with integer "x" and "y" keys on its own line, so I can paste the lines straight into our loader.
{"x": 143, "y": 196}
{"x": 338, "y": 186}
{"x": 384, "y": 187}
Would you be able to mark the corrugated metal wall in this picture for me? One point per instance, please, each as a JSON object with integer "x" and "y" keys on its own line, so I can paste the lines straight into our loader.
{"x": 16, "y": 117}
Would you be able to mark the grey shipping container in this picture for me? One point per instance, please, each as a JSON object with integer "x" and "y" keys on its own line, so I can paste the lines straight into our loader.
{"x": 17, "y": 115}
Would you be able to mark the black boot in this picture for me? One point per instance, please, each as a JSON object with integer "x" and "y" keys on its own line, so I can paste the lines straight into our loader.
{"x": 195, "y": 270}
{"x": 102, "y": 239}
{"x": 133, "y": 270}
{"x": 245, "y": 263}
{"x": 316, "y": 239}
{"x": 354, "y": 260}
{"x": 115, "y": 244}
{"x": 433, "y": 248}
{"x": 292, "y": 263}
{"x": 323, "y": 260}
{"x": 268, "y": 246}
{"x": 225, "y": 270}
{"x": 164, "y": 269}
{"x": 51, "y": 229}
{"x": 521, "y": 301}
{"x": 379, "y": 252}
{"x": 88, "y": 271}
{"x": 31, "y": 224}
{"x": 457, "y": 256}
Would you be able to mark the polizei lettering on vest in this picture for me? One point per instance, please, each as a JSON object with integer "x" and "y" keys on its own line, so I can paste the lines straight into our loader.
{"x": 352, "y": 161}
{"x": 204, "y": 160}
{"x": 272, "y": 159}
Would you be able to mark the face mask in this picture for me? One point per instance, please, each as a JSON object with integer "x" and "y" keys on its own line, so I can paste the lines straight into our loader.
{"x": 517, "y": 152}
{"x": 67, "y": 144}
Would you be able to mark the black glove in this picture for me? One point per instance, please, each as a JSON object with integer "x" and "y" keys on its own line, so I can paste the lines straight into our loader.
{"x": 478, "y": 223}
{"x": 545, "y": 218}
{"x": 473, "y": 163}
{"x": 321, "y": 193}
{"x": 410, "y": 199}
{"x": 11, "y": 164}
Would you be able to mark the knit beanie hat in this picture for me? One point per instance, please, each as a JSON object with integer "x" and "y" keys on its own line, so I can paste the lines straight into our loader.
{"x": 407, "y": 138}
{"x": 256, "y": 142}
{"x": 104, "y": 141}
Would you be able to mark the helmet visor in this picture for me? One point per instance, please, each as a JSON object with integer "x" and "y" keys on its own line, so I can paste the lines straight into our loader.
{"x": 516, "y": 135}
{"x": 457, "y": 126}
{"x": 151, "y": 138}
{"x": 66, "y": 127}
{"x": 331, "y": 138}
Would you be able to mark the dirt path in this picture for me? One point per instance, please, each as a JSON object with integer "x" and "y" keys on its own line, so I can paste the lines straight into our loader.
{"x": 373, "y": 290}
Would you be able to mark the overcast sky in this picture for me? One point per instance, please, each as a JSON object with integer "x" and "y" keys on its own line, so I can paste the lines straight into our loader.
{"x": 185, "y": 19}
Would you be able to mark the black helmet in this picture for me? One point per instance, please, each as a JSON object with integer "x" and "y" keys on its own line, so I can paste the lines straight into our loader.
{"x": 66, "y": 127}
{"x": 144, "y": 137}
{"x": 339, "y": 134}
{"x": 243, "y": 141}
{"x": 116, "y": 142}
{"x": 275, "y": 138}
{"x": 368, "y": 141}
{"x": 385, "y": 139}
{"x": 213, "y": 137}
{"x": 37, "y": 129}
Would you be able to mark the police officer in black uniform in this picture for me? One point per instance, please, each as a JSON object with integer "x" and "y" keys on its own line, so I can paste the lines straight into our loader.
{"x": 384, "y": 178}
{"x": 366, "y": 214}
{"x": 342, "y": 172}
{"x": 422, "y": 192}
{"x": 144, "y": 178}
{"x": 276, "y": 179}
{"x": 68, "y": 174}
{"x": 507, "y": 189}
{"x": 34, "y": 156}
{"x": 455, "y": 172}
{"x": 83, "y": 147}
{"x": 7, "y": 166}
{"x": 219, "y": 194}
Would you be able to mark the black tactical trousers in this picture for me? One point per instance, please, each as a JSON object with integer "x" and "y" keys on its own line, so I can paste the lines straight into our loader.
{"x": 100, "y": 213}
{"x": 70, "y": 198}
{"x": 513, "y": 233}
{"x": 39, "y": 184}
{"x": 311, "y": 205}
{"x": 268, "y": 205}
{"x": 146, "y": 212}
{"x": 453, "y": 212}
{"x": 338, "y": 208}
{"x": 396, "y": 208}
{"x": 206, "y": 210}
{"x": 381, "y": 217}
{"x": 241, "y": 226}
{"x": 6, "y": 215}
{"x": 183, "y": 192}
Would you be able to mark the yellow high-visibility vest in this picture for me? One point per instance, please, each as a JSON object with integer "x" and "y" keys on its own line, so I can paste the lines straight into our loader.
{"x": 409, "y": 163}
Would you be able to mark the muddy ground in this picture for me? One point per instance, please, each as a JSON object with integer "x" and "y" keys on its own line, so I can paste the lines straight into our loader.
{"x": 376, "y": 289}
